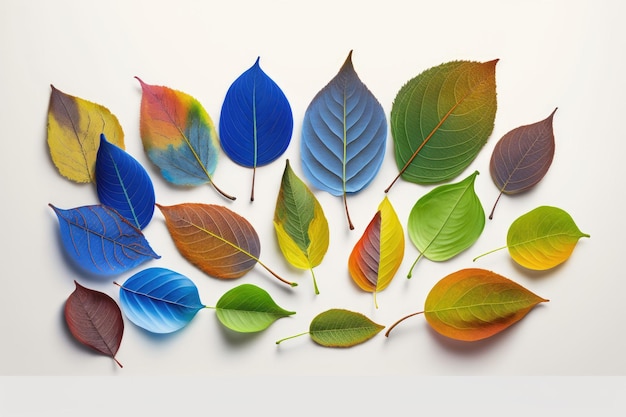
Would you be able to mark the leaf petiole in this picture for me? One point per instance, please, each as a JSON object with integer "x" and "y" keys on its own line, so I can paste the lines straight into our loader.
{"x": 487, "y": 253}
{"x": 291, "y": 337}
{"x": 410, "y": 274}
{"x": 401, "y": 320}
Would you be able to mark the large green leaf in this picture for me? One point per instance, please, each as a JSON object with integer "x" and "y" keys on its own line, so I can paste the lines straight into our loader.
{"x": 441, "y": 119}
{"x": 447, "y": 220}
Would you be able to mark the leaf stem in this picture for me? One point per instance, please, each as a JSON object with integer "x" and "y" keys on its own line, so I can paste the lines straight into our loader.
{"x": 293, "y": 284}
{"x": 291, "y": 337}
{"x": 410, "y": 274}
{"x": 401, "y": 320}
{"x": 230, "y": 197}
{"x": 491, "y": 251}
{"x": 494, "y": 206}
{"x": 317, "y": 291}
{"x": 345, "y": 203}
{"x": 253, "y": 178}
{"x": 117, "y": 362}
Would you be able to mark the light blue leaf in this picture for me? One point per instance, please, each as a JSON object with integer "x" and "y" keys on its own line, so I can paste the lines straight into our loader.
{"x": 160, "y": 300}
{"x": 123, "y": 184}
{"x": 101, "y": 241}
{"x": 344, "y": 134}
{"x": 256, "y": 121}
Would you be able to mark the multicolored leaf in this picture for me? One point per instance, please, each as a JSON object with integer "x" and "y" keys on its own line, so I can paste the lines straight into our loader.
{"x": 474, "y": 304}
{"x": 340, "y": 328}
{"x": 178, "y": 136}
{"x": 441, "y": 119}
{"x": 376, "y": 257}
{"x": 74, "y": 129}
{"x": 123, "y": 184}
{"x": 214, "y": 238}
{"x": 256, "y": 122}
{"x": 522, "y": 157}
{"x": 160, "y": 300}
{"x": 301, "y": 226}
{"x": 344, "y": 136}
{"x": 446, "y": 221}
{"x": 248, "y": 309}
{"x": 100, "y": 241}
{"x": 95, "y": 320}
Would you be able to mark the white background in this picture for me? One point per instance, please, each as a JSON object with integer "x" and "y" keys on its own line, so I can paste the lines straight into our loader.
{"x": 565, "y": 54}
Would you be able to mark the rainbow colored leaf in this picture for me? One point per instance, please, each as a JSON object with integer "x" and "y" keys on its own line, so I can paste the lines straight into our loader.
{"x": 248, "y": 309}
{"x": 542, "y": 238}
{"x": 215, "y": 239}
{"x": 446, "y": 221}
{"x": 522, "y": 157}
{"x": 376, "y": 257}
{"x": 160, "y": 300}
{"x": 344, "y": 136}
{"x": 100, "y": 241}
{"x": 340, "y": 328}
{"x": 441, "y": 119}
{"x": 178, "y": 136}
{"x": 300, "y": 224}
{"x": 74, "y": 129}
{"x": 474, "y": 304}
{"x": 256, "y": 122}
{"x": 123, "y": 184}
{"x": 95, "y": 320}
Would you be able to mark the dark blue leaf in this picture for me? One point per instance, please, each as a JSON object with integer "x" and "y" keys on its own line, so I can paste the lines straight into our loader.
{"x": 344, "y": 135}
{"x": 123, "y": 184}
{"x": 160, "y": 300}
{"x": 256, "y": 121}
{"x": 101, "y": 241}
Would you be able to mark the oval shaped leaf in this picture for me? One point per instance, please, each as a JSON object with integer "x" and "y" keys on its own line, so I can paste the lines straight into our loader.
{"x": 160, "y": 300}
{"x": 342, "y": 328}
{"x": 101, "y": 241}
{"x": 123, "y": 184}
{"x": 178, "y": 136}
{"x": 248, "y": 308}
{"x": 74, "y": 128}
{"x": 95, "y": 320}
{"x": 473, "y": 304}
{"x": 256, "y": 122}
{"x": 300, "y": 224}
{"x": 344, "y": 135}
{"x": 214, "y": 238}
{"x": 441, "y": 119}
{"x": 543, "y": 238}
{"x": 376, "y": 257}
{"x": 447, "y": 220}
{"x": 522, "y": 157}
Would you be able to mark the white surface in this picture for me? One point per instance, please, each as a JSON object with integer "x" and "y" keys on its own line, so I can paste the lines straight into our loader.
{"x": 565, "y": 54}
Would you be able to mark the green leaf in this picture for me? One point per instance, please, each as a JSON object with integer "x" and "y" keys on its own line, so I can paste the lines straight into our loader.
{"x": 300, "y": 224}
{"x": 446, "y": 221}
{"x": 340, "y": 328}
{"x": 248, "y": 308}
{"x": 441, "y": 119}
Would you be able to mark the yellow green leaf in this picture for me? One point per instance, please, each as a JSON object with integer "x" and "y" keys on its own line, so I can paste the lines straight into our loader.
{"x": 74, "y": 129}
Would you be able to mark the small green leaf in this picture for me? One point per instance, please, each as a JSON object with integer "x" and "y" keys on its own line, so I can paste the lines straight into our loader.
{"x": 248, "y": 308}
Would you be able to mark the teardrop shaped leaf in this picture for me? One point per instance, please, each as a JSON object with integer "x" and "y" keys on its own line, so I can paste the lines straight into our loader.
{"x": 123, "y": 184}
{"x": 214, "y": 238}
{"x": 376, "y": 257}
{"x": 441, "y": 119}
{"x": 300, "y": 224}
{"x": 543, "y": 238}
{"x": 248, "y": 309}
{"x": 160, "y": 300}
{"x": 100, "y": 241}
{"x": 522, "y": 157}
{"x": 74, "y": 128}
{"x": 344, "y": 136}
{"x": 95, "y": 320}
{"x": 178, "y": 136}
{"x": 256, "y": 122}
{"x": 447, "y": 220}
{"x": 473, "y": 304}
{"x": 342, "y": 328}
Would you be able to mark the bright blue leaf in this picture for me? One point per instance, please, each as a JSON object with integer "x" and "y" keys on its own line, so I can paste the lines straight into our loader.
{"x": 99, "y": 240}
{"x": 344, "y": 135}
{"x": 160, "y": 300}
{"x": 256, "y": 121}
{"x": 123, "y": 184}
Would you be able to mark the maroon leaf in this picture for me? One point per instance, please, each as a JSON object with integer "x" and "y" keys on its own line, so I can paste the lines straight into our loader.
{"x": 521, "y": 158}
{"x": 95, "y": 320}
